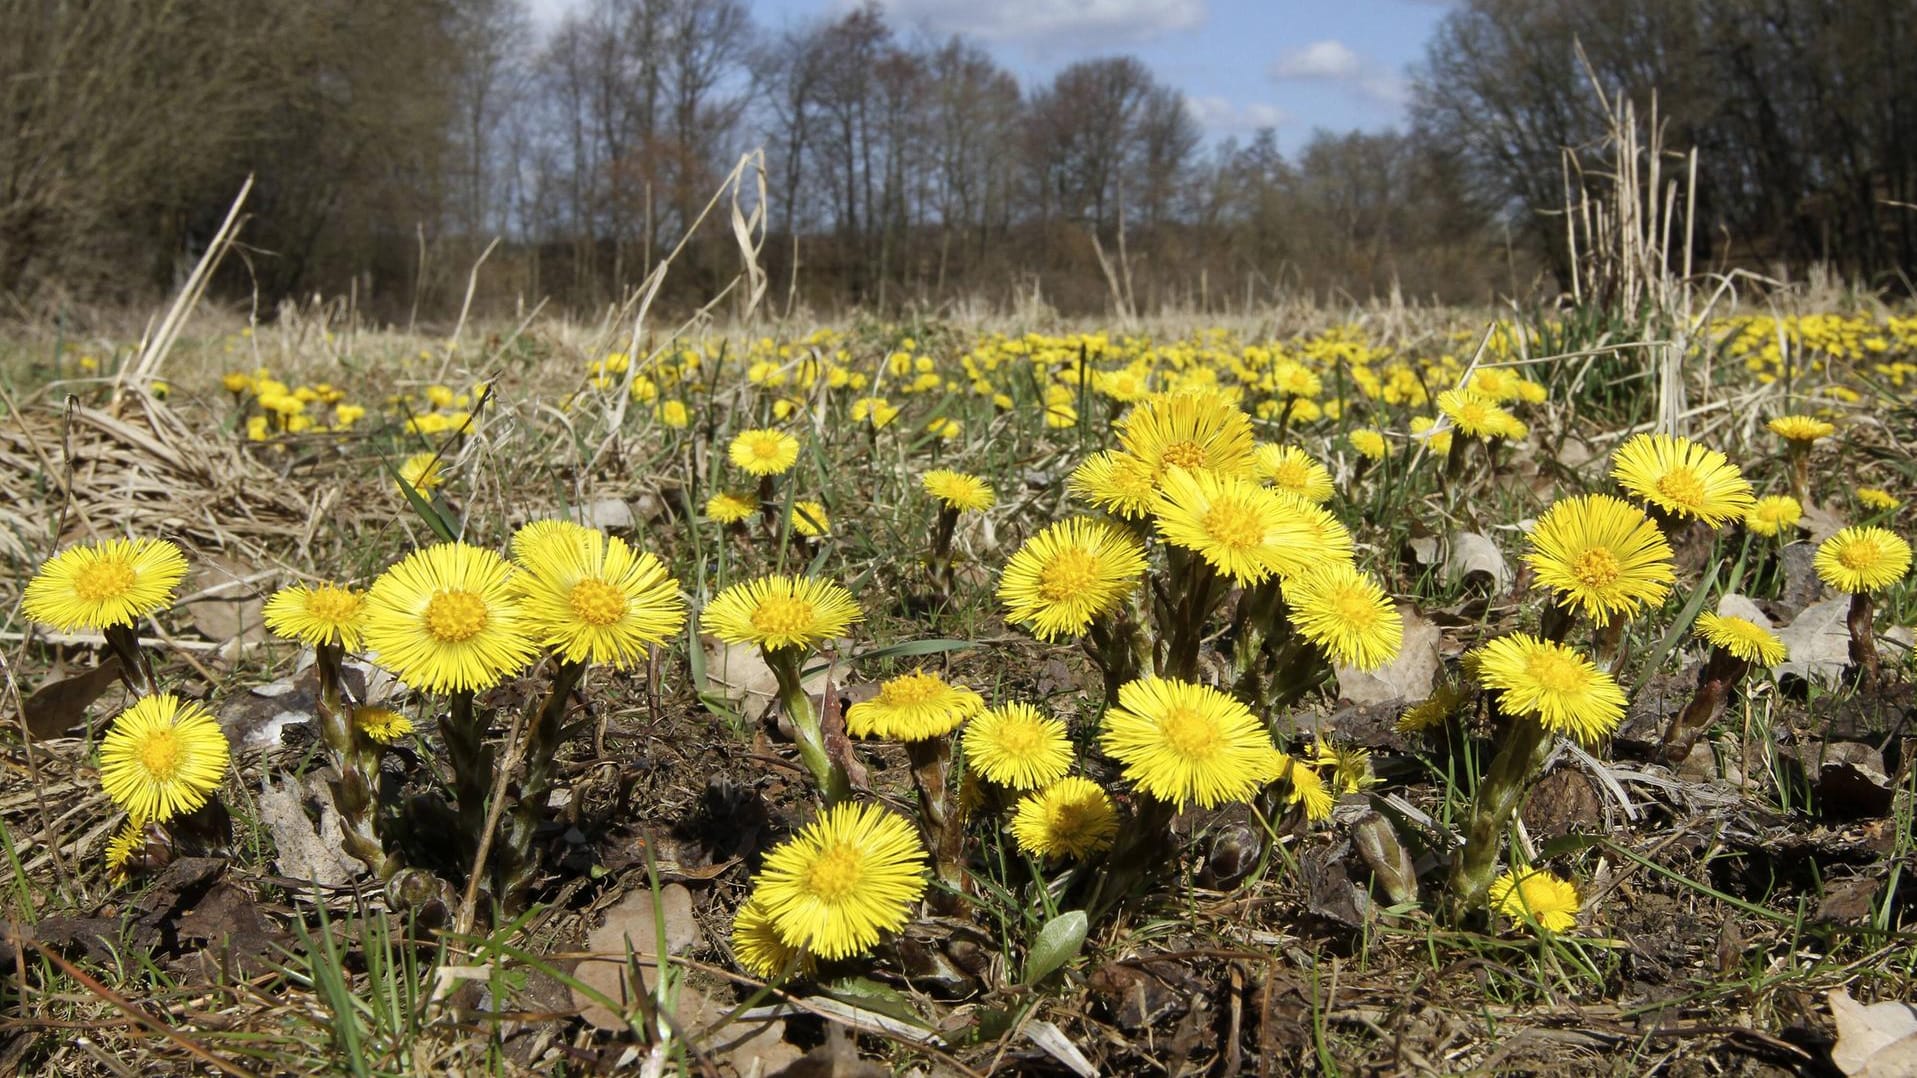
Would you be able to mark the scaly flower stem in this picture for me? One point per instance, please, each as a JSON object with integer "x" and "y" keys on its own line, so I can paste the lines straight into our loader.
{"x": 1799, "y": 453}
{"x": 940, "y": 559}
{"x": 1714, "y": 681}
{"x": 1141, "y": 851}
{"x": 833, "y": 785}
{"x": 1196, "y": 592}
{"x": 472, "y": 762}
{"x": 1526, "y": 745}
{"x": 354, "y": 792}
{"x": 136, "y": 667}
{"x": 514, "y": 863}
{"x": 943, "y": 818}
{"x": 1863, "y": 640}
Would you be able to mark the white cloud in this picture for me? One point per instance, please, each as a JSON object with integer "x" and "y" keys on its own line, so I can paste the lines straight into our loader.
{"x": 1329, "y": 60}
{"x": 1043, "y": 22}
{"x": 1335, "y": 62}
{"x": 1220, "y": 116}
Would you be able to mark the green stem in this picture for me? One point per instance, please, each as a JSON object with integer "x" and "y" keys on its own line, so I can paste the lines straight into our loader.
{"x": 1526, "y": 744}
{"x": 472, "y": 762}
{"x": 514, "y": 863}
{"x": 1140, "y": 853}
{"x": 833, "y": 785}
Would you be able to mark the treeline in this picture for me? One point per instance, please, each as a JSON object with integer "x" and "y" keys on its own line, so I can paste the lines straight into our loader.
{"x": 393, "y": 142}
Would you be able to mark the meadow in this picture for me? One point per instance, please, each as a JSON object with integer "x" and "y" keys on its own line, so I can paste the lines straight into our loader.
{"x": 1371, "y": 690}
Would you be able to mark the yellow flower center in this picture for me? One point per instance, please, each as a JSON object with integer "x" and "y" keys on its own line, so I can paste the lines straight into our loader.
{"x": 835, "y": 873}
{"x": 783, "y": 615}
{"x": 1291, "y": 475}
{"x": 597, "y": 603}
{"x": 333, "y": 605}
{"x": 1234, "y": 524}
{"x": 1556, "y": 672}
{"x": 1859, "y": 556}
{"x": 1681, "y": 486}
{"x": 1069, "y": 573}
{"x": 159, "y": 754}
{"x": 1184, "y": 455}
{"x": 765, "y": 448}
{"x": 103, "y": 580}
{"x": 1017, "y": 739}
{"x": 1596, "y": 568}
{"x": 453, "y": 616}
{"x": 1356, "y": 610}
{"x": 911, "y": 689}
{"x": 1190, "y": 733}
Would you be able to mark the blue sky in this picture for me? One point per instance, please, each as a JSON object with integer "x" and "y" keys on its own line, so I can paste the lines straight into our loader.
{"x": 1242, "y": 64}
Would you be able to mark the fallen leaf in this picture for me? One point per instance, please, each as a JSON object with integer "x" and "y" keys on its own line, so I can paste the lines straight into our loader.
{"x": 232, "y": 615}
{"x": 604, "y": 513}
{"x": 1408, "y": 676}
{"x": 1733, "y": 605}
{"x": 1875, "y": 1041}
{"x": 305, "y": 851}
{"x": 1818, "y": 641}
{"x": 1060, "y": 1047}
{"x": 1821, "y": 523}
{"x": 58, "y": 707}
{"x": 632, "y": 928}
{"x": 1474, "y": 554}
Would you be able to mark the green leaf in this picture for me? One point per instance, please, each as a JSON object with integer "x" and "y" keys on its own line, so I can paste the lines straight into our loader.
{"x": 1058, "y": 943}
{"x": 918, "y": 647}
{"x": 873, "y": 996}
{"x": 428, "y": 512}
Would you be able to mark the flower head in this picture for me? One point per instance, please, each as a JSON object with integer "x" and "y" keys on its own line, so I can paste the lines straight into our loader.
{"x": 1862, "y": 559}
{"x": 1070, "y": 818}
{"x": 1542, "y": 678}
{"x": 1182, "y": 742}
{"x": 1307, "y": 788}
{"x": 764, "y": 452}
{"x": 1773, "y": 514}
{"x": 958, "y": 490}
{"x": 1877, "y": 498}
{"x": 1743, "y": 638}
{"x": 1116, "y": 482}
{"x": 913, "y": 707}
{"x": 540, "y": 540}
{"x": 111, "y": 582}
{"x": 1801, "y": 429}
{"x": 316, "y": 615}
{"x": 781, "y": 611}
{"x": 422, "y": 472}
{"x": 381, "y": 724}
{"x": 445, "y": 619}
{"x": 130, "y": 839}
{"x": 1431, "y": 712}
{"x": 1347, "y": 614}
{"x": 1188, "y": 430}
{"x": 810, "y": 520}
{"x": 1240, "y": 528}
{"x": 1476, "y": 416}
{"x": 1370, "y": 444}
{"x": 1288, "y": 467}
{"x": 757, "y": 945}
{"x": 1601, "y": 554}
{"x": 1683, "y": 478}
{"x": 162, "y": 757}
{"x": 727, "y": 507}
{"x": 1347, "y": 768}
{"x": 599, "y": 600}
{"x": 1538, "y": 897}
{"x": 852, "y": 874}
{"x": 1018, "y": 746}
{"x": 1068, "y": 574}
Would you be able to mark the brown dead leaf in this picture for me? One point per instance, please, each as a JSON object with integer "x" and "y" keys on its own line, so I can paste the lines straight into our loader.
{"x": 1407, "y": 677}
{"x": 1476, "y": 556}
{"x": 1818, "y": 641}
{"x": 231, "y": 613}
{"x": 58, "y": 707}
{"x": 1875, "y": 1041}
{"x": 305, "y": 851}
{"x": 632, "y": 928}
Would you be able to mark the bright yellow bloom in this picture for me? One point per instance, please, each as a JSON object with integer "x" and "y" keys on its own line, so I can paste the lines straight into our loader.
{"x": 1070, "y": 818}
{"x": 163, "y": 756}
{"x": 958, "y": 490}
{"x": 1018, "y": 746}
{"x": 598, "y": 600}
{"x": 1475, "y": 416}
{"x": 445, "y": 619}
{"x": 1803, "y": 429}
{"x": 1563, "y": 689}
{"x": 1773, "y": 514}
{"x": 673, "y": 414}
{"x": 127, "y": 841}
{"x": 109, "y": 582}
{"x": 1182, "y": 742}
{"x": 1291, "y": 468}
{"x": 1068, "y": 574}
{"x": 727, "y": 507}
{"x": 1240, "y": 528}
{"x": 1189, "y": 430}
{"x": 1602, "y": 555}
{"x": 810, "y": 520}
{"x": 757, "y": 945}
{"x": 781, "y": 611}
{"x": 1743, "y": 638}
{"x": 852, "y": 874}
{"x": 1347, "y": 767}
{"x": 539, "y": 539}
{"x": 421, "y": 471}
{"x": 1537, "y": 897}
{"x": 764, "y": 452}
{"x": 381, "y": 724}
{"x": 1438, "y": 441}
{"x": 1683, "y": 478}
{"x": 321, "y": 614}
{"x": 1116, "y": 482}
{"x": 1878, "y": 499}
{"x": 1862, "y": 559}
{"x": 1369, "y": 443}
{"x": 1347, "y": 614}
{"x": 913, "y": 707}
{"x": 1307, "y": 787}
{"x": 1431, "y": 712}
